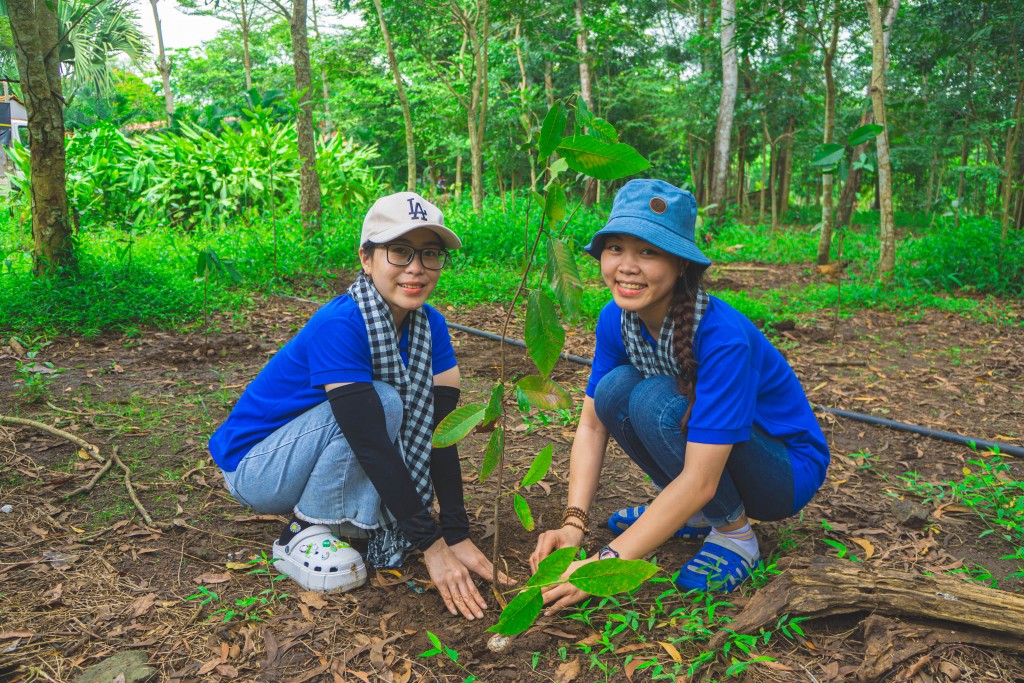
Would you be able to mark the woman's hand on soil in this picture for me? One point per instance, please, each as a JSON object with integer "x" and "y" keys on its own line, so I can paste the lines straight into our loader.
{"x": 550, "y": 541}
{"x": 453, "y": 581}
{"x": 476, "y": 562}
{"x": 563, "y": 595}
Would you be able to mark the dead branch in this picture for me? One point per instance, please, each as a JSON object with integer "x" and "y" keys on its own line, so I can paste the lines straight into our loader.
{"x": 93, "y": 451}
{"x": 92, "y": 482}
{"x": 131, "y": 489}
{"x": 826, "y": 586}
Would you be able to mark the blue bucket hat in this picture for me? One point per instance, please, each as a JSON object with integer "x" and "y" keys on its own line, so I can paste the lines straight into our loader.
{"x": 656, "y": 212}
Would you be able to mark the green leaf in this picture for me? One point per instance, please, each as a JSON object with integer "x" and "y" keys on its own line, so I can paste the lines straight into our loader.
{"x": 544, "y": 334}
{"x": 520, "y": 613}
{"x": 552, "y": 567}
{"x": 608, "y": 577}
{"x": 583, "y": 116}
{"x": 865, "y": 133}
{"x": 458, "y": 424}
{"x": 554, "y": 205}
{"x": 603, "y": 131}
{"x": 827, "y": 156}
{"x": 590, "y": 156}
{"x": 435, "y": 641}
{"x": 430, "y": 653}
{"x": 564, "y": 277}
{"x": 558, "y": 168}
{"x": 495, "y": 445}
{"x": 493, "y": 411}
{"x": 523, "y": 512}
{"x": 539, "y": 467}
{"x": 544, "y": 393}
{"x": 551, "y": 130}
{"x": 522, "y": 401}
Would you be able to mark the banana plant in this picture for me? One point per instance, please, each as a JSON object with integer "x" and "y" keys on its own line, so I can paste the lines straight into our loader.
{"x": 593, "y": 151}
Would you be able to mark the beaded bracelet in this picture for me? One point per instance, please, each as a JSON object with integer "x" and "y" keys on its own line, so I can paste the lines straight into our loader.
{"x": 578, "y": 512}
{"x": 566, "y": 522}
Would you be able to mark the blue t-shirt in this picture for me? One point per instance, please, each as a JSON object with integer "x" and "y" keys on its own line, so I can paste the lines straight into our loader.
{"x": 333, "y": 347}
{"x": 742, "y": 380}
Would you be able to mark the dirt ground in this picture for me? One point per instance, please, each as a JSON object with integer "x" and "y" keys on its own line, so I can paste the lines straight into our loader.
{"x": 86, "y": 577}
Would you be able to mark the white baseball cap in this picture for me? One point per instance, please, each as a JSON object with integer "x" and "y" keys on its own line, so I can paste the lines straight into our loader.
{"x": 392, "y": 216}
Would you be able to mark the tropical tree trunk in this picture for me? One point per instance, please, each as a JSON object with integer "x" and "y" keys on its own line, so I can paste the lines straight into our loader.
{"x": 478, "y": 29}
{"x": 961, "y": 173}
{"x": 1012, "y": 138}
{"x": 726, "y": 105}
{"x": 887, "y": 227}
{"x": 586, "y": 84}
{"x": 403, "y": 100}
{"x": 162, "y": 65}
{"x": 827, "y": 179}
{"x": 458, "y": 178}
{"x": 35, "y": 30}
{"x": 246, "y": 57}
{"x": 524, "y": 107}
{"x": 310, "y": 202}
{"x": 786, "y": 169}
{"x": 848, "y": 197}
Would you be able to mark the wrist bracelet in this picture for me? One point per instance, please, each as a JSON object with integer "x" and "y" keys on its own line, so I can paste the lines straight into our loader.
{"x": 607, "y": 553}
{"x": 578, "y": 512}
{"x": 568, "y": 522}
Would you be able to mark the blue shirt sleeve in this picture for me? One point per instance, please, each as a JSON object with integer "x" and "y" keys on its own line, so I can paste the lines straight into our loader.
{"x": 339, "y": 350}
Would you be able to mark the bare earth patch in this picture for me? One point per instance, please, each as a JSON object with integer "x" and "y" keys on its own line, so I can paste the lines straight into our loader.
{"x": 84, "y": 578}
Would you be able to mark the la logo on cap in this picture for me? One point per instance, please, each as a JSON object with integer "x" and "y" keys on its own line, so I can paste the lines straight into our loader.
{"x": 416, "y": 210}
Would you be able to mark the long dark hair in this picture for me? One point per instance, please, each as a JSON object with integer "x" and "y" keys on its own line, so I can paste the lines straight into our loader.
{"x": 682, "y": 310}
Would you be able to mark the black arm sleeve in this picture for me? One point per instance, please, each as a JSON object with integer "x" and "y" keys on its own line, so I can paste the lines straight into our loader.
{"x": 360, "y": 415}
{"x": 446, "y": 473}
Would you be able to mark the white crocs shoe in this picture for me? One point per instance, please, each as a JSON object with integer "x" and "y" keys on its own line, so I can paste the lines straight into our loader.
{"x": 318, "y": 561}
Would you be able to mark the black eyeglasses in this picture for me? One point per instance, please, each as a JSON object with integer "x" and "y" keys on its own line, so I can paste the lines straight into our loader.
{"x": 432, "y": 258}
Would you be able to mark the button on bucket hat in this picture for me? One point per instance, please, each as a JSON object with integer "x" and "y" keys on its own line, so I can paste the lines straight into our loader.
{"x": 656, "y": 212}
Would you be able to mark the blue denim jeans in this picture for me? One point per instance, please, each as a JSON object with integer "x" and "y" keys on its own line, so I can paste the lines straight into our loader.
{"x": 307, "y": 467}
{"x": 644, "y": 417}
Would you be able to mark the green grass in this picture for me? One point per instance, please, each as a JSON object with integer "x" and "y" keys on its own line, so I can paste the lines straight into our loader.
{"x": 148, "y": 276}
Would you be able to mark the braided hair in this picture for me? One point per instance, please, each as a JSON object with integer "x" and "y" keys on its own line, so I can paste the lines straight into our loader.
{"x": 681, "y": 310}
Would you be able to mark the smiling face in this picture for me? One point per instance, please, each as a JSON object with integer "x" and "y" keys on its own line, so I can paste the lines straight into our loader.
{"x": 641, "y": 277}
{"x": 404, "y": 288}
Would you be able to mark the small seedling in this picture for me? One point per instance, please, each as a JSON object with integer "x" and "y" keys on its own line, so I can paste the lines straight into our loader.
{"x": 35, "y": 376}
{"x": 440, "y": 649}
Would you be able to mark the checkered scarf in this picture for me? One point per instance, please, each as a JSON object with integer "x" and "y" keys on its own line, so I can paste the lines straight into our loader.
{"x": 661, "y": 361}
{"x": 387, "y": 546}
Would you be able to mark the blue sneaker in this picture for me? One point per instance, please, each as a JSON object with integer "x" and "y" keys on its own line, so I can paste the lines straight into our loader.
{"x": 721, "y": 565}
{"x": 624, "y": 518}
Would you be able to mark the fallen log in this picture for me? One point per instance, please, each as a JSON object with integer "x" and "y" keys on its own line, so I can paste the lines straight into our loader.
{"x": 889, "y": 643}
{"x": 825, "y": 586}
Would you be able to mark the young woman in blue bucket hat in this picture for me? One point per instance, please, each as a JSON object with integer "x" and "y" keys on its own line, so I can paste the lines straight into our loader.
{"x": 696, "y": 396}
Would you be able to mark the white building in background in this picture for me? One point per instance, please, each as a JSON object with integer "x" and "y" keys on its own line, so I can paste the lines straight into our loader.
{"x": 13, "y": 126}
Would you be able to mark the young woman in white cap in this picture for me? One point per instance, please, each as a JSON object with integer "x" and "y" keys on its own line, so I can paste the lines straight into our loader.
{"x": 695, "y": 395}
{"x": 335, "y": 430}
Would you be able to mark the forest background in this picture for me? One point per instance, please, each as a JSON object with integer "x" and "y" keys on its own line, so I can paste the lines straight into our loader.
{"x": 767, "y": 111}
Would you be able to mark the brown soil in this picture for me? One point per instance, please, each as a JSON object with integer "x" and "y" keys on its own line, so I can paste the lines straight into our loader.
{"x": 84, "y": 578}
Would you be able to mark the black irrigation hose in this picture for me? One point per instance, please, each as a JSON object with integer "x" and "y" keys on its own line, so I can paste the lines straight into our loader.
{"x": 925, "y": 431}
{"x": 860, "y": 417}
